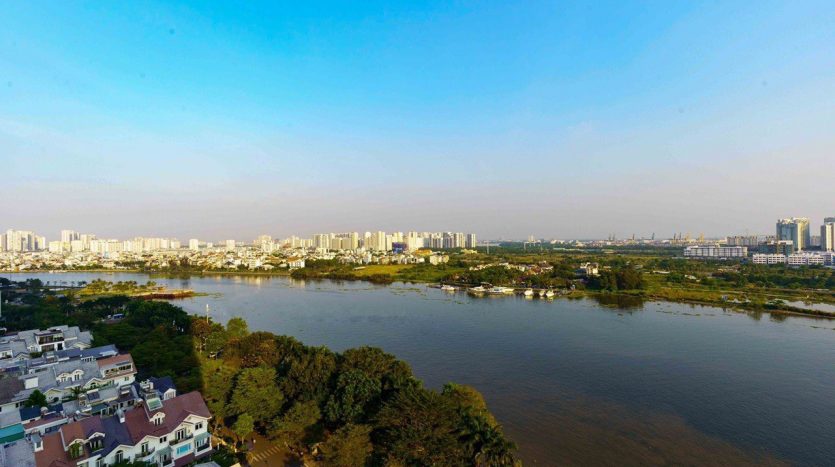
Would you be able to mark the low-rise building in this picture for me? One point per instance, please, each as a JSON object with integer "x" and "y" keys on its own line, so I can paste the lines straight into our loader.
{"x": 87, "y": 382}
{"x": 16, "y": 348}
{"x": 589, "y": 269}
{"x": 715, "y": 252}
{"x": 805, "y": 259}
{"x": 771, "y": 258}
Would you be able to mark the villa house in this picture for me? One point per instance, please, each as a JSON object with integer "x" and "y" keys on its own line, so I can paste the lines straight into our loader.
{"x": 16, "y": 349}
{"x": 85, "y": 379}
{"x": 172, "y": 432}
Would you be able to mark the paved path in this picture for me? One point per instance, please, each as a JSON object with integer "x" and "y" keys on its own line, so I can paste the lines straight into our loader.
{"x": 263, "y": 453}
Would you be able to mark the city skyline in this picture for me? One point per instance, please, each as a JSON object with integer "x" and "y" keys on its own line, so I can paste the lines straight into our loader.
{"x": 568, "y": 120}
{"x": 784, "y": 232}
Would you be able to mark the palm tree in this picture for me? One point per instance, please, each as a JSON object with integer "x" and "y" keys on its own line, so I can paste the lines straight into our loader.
{"x": 486, "y": 441}
{"x": 495, "y": 449}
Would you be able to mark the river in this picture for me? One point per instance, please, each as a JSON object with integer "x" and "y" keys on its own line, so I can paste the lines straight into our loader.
{"x": 573, "y": 382}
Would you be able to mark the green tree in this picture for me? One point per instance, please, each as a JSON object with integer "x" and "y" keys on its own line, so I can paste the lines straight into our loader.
{"x": 392, "y": 373}
{"x": 468, "y": 399}
{"x": 297, "y": 425}
{"x": 420, "y": 427}
{"x": 349, "y": 446}
{"x": 243, "y": 426}
{"x": 308, "y": 374}
{"x": 255, "y": 393}
{"x": 485, "y": 441}
{"x": 355, "y": 392}
{"x": 216, "y": 341}
{"x": 36, "y": 399}
{"x": 237, "y": 328}
{"x": 256, "y": 349}
{"x": 217, "y": 386}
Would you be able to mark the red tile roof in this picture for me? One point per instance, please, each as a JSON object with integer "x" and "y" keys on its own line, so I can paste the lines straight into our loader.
{"x": 176, "y": 410}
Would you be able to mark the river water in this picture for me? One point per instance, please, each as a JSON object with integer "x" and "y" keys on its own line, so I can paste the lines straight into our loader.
{"x": 573, "y": 382}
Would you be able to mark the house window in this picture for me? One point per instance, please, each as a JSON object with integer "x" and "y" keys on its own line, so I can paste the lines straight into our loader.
{"x": 96, "y": 444}
{"x": 180, "y": 434}
{"x": 198, "y": 426}
{"x": 76, "y": 450}
{"x": 145, "y": 448}
{"x": 163, "y": 439}
{"x": 120, "y": 456}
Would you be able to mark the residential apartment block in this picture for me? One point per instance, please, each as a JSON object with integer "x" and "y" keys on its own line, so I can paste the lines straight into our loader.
{"x": 795, "y": 229}
{"x": 716, "y": 252}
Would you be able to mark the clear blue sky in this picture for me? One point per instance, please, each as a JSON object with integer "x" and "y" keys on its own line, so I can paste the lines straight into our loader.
{"x": 558, "y": 119}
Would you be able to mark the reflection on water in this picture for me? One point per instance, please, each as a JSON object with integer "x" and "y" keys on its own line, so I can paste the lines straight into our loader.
{"x": 571, "y": 381}
{"x": 619, "y": 301}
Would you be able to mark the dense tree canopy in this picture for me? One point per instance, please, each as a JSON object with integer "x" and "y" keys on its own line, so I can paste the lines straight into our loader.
{"x": 363, "y": 406}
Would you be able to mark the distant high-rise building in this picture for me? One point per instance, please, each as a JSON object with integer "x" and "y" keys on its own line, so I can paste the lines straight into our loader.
{"x": 795, "y": 229}
{"x": 471, "y": 241}
{"x": 230, "y": 245}
{"x": 322, "y": 241}
{"x": 740, "y": 240}
{"x": 69, "y": 235}
{"x": 828, "y": 234}
{"x": 23, "y": 240}
{"x": 193, "y": 244}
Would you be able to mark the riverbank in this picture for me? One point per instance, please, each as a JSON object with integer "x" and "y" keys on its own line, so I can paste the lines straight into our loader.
{"x": 657, "y": 287}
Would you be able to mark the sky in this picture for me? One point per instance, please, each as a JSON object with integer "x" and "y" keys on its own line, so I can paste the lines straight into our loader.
{"x": 507, "y": 119}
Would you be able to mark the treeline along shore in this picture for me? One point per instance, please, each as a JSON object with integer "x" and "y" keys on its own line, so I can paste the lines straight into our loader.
{"x": 359, "y": 407}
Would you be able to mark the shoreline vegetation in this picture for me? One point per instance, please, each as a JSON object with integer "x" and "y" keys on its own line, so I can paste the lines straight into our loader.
{"x": 361, "y": 406}
{"x": 646, "y": 273}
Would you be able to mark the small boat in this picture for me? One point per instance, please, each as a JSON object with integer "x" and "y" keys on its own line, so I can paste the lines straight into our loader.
{"x": 500, "y": 290}
{"x": 477, "y": 290}
{"x": 549, "y": 294}
{"x": 528, "y": 293}
{"x": 448, "y": 288}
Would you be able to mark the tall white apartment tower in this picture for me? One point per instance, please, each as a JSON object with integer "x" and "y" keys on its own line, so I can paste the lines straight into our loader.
{"x": 828, "y": 234}
{"x": 69, "y": 235}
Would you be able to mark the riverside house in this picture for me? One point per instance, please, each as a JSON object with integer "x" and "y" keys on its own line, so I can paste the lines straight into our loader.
{"x": 170, "y": 432}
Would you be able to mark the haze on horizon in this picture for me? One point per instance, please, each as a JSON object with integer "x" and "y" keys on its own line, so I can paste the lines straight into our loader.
{"x": 565, "y": 120}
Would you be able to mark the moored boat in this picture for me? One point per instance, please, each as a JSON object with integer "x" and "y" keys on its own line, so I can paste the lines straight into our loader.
{"x": 499, "y": 290}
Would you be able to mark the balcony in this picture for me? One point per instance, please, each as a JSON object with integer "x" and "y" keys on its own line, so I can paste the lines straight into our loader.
{"x": 145, "y": 455}
{"x": 175, "y": 442}
{"x": 202, "y": 442}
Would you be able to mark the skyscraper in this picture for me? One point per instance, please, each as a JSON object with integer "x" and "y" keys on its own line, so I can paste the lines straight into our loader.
{"x": 828, "y": 234}
{"x": 471, "y": 241}
{"x": 69, "y": 235}
{"x": 795, "y": 229}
